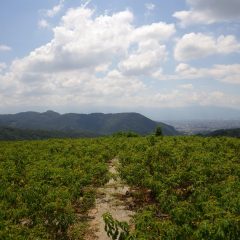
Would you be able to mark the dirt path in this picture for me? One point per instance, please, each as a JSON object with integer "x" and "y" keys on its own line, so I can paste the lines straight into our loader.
{"x": 109, "y": 200}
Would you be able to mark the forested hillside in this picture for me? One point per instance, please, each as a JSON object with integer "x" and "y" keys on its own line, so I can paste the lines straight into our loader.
{"x": 95, "y": 123}
{"x": 235, "y": 132}
{"x": 8, "y": 133}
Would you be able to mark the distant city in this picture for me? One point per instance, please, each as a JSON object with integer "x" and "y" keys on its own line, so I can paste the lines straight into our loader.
{"x": 189, "y": 127}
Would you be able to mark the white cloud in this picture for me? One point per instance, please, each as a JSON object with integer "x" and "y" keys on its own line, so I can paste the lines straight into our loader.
{"x": 186, "y": 86}
{"x": 84, "y": 42}
{"x": 160, "y": 31}
{"x": 150, "y": 51}
{"x": 79, "y": 65}
{"x": 43, "y": 23}
{"x": 150, "y": 6}
{"x": 145, "y": 59}
{"x": 4, "y": 48}
{"x": 80, "y": 89}
{"x": 209, "y": 11}
{"x": 98, "y": 61}
{"x": 50, "y": 13}
{"x": 2, "y": 66}
{"x": 87, "y": 2}
{"x": 55, "y": 10}
{"x": 198, "y": 45}
{"x": 212, "y": 98}
{"x": 227, "y": 44}
{"x": 224, "y": 73}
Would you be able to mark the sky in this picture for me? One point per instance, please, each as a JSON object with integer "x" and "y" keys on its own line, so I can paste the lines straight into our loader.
{"x": 113, "y": 56}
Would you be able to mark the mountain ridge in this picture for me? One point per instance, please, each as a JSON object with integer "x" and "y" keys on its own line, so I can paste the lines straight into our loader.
{"x": 98, "y": 123}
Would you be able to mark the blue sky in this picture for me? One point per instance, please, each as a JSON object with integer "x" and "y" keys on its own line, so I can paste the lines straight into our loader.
{"x": 87, "y": 56}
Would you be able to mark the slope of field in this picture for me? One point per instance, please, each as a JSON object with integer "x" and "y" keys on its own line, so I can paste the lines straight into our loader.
{"x": 180, "y": 187}
{"x": 47, "y": 187}
{"x": 194, "y": 186}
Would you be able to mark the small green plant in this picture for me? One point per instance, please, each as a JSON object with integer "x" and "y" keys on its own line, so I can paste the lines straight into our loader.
{"x": 115, "y": 229}
{"x": 151, "y": 140}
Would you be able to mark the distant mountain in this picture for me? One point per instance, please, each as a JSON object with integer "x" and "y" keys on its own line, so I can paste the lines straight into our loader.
{"x": 235, "y": 132}
{"x": 8, "y": 133}
{"x": 96, "y": 123}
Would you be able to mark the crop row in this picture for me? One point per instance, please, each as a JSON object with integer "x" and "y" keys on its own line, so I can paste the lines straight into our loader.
{"x": 47, "y": 186}
{"x": 194, "y": 186}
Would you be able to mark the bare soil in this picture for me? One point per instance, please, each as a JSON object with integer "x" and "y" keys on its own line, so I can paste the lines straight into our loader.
{"x": 112, "y": 198}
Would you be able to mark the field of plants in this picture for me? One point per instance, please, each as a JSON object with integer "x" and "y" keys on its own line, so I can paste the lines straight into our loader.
{"x": 183, "y": 187}
{"x": 194, "y": 187}
{"x": 46, "y": 186}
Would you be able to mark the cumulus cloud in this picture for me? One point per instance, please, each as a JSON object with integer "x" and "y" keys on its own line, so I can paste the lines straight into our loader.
{"x": 100, "y": 60}
{"x": 2, "y": 66}
{"x": 209, "y": 11}
{"x": 83, "y": 42}
{"x": 198, "y": 45}
{"x": 146, "y": 59}
{"x": 160, "y": 31}
{"x": 49, "y": 13}
{"x": 212, "y": 98}
{"x": 150, "y": 52}
{"x": 55, "y": 10}
{"x": 224, "y": 73}
{"x": 89, "y": 61}
{"x": 4, "y": 48}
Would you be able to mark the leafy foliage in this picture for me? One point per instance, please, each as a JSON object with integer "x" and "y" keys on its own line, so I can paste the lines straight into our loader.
{"x": 46, "y": 185}
{"x": 195, "y": 184}
{"x": 115, "y": 229}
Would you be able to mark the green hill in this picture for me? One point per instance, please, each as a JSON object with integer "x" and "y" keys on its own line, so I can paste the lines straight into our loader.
{"x": 9, "y": 133}
{"x": 96, "y": 123}
{"x": 234, "y": 132}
